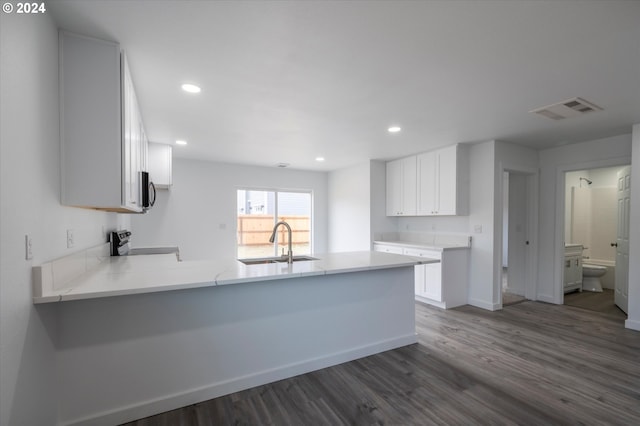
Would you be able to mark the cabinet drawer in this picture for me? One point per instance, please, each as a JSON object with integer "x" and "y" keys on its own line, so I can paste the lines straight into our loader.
{"x": 434, "y": 254}
{"x": 387, "y": 249}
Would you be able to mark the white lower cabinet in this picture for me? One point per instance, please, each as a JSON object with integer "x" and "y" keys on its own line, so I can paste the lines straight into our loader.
{"x": 429, "y": 281}
{"x": 572, "y": 268}
{"x": 442, "y": 284}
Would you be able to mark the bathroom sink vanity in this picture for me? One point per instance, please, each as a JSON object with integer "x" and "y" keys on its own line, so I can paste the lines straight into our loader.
{"x": 572, "y": 267}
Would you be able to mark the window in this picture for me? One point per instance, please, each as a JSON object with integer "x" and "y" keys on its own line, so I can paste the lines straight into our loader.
{"x": 259, "y": 211}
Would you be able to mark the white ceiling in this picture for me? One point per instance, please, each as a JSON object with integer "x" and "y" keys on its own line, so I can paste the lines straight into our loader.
{"x": 287, "y": 81}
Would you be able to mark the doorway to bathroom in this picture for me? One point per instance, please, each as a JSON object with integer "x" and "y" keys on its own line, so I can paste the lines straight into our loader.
{"x": 595, "y": 272}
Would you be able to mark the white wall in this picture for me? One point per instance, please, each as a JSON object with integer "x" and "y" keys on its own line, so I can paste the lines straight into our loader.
{"x": 350, "y": 208}
{"x": 357, "y": 207}
{"x": 380, "y": 222}
{"x": 633, "y": 319}
{"x": 554, "y": 163}
{"x": 482, "y": 207}
{"x": 593, "y": 223}
{"x": 29, "y": 204}
{"x": 198, "y": 213}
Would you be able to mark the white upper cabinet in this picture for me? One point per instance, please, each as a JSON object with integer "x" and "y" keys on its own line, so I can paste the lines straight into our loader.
{"x": 434, "y": 183}
{"x": 103, "y": 142}
{"x": 443, "y": 182}
{"x": 160, "y": 165}
{"x": 401, "y": 187}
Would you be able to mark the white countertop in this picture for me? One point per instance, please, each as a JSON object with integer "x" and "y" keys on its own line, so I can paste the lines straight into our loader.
{"x": 118, "y": 276}
{"x": 428, "y": 246}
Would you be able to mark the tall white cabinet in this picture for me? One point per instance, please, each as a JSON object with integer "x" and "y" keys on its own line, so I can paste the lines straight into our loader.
{"x": 103, "y": 141}
{"x": 433, "y": 183}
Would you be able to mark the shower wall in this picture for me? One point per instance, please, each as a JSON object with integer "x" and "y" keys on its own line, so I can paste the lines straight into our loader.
{"x": 593, "y": 221}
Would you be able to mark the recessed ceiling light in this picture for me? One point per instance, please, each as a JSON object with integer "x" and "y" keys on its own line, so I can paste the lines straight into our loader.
{"x": 191, "y": 88}
{"x": 394, "y": 129}
{"x": 180, "y": 142}
{"x": 320, "y": 159}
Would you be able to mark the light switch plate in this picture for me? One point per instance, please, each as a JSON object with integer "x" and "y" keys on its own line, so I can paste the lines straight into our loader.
{"x": 28, "y": 247}
{"x": 70, "y": 238}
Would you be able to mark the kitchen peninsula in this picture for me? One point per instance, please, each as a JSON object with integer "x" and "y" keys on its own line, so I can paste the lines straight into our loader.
{"x": 182, "y": 332}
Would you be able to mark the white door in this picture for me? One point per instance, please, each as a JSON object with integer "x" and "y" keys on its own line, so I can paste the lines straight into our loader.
{"x": 517, "y": 233}
{"x": 622, "y": 239}
{"x": 427, "y": 170}
{"x": 447, "y": 184}
{"x": 409, "y": 186}
{"x": 433, "y": 281}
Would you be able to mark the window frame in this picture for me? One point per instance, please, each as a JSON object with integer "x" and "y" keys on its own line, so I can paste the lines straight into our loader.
{"x": 276, "y": 214}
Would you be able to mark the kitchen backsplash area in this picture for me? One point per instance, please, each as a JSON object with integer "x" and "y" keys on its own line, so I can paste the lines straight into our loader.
{"x": 425, "y": 238}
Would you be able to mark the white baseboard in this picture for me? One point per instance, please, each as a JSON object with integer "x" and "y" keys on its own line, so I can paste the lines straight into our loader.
{"x": 547, "y": 299}
{"x": 632, "y": 324}
{"x": 431, "y": 302}
{"x": 483, "y": 304}
{"x": 214, "y": 390}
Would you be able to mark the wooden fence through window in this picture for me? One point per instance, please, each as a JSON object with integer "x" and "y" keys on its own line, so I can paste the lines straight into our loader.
{"x": 255, "y": 229}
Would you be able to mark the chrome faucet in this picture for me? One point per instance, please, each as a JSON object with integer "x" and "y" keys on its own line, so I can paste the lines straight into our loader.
{"x": 273, "y": 237}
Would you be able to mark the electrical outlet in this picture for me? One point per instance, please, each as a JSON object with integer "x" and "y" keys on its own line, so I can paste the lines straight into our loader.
{"x": 478, "y": 229}
{"x": 70, "y": 238}
{"x": 28, "y": 247}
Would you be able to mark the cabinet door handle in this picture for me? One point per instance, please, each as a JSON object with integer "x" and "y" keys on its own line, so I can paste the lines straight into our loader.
{"x": 614, "y": 244}
{"x": 152, "y": 201}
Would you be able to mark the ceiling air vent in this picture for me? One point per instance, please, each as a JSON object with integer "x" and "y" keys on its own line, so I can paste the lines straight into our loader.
{"x": 567, "y": 109}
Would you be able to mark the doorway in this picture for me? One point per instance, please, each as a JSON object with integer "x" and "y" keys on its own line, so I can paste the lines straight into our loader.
{"x": 518, "y": 228}
{"x": 596, "y": 224}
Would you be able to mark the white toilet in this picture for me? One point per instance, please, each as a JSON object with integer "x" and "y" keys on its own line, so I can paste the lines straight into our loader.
{"x": 591, "y": 277}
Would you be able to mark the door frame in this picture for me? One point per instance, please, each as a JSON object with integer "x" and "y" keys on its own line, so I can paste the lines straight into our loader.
{"x": 561, "y": 171}
{"x": 531, "y": 258}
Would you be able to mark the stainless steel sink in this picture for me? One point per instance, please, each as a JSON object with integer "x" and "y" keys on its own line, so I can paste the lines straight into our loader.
{"x": 279, "y": 259}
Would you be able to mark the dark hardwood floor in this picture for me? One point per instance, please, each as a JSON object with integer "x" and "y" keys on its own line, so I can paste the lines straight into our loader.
{"x": 593, "y": 301}
{"x": 529, "y": 364}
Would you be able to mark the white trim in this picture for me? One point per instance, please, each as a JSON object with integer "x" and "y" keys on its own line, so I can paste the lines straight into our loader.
{"x": 632, "y": 325}
{"x": 548, "y": 299}
{"x": 490, "y": 306}
{"x": 214, "y": 390}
